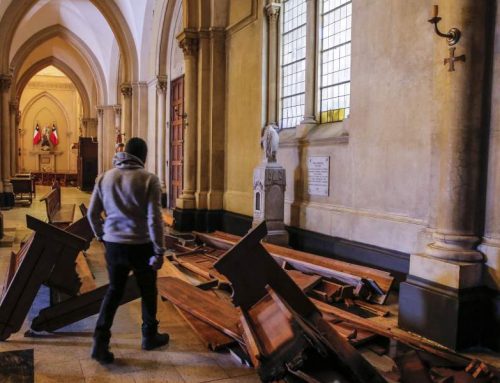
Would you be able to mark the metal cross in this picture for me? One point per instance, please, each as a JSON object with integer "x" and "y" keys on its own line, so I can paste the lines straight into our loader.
{"x": 452, "y": 58}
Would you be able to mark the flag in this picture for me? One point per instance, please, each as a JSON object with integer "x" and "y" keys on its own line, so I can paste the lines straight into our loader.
{"x": 53, "y": 136}
{"x": 37, "y": 136}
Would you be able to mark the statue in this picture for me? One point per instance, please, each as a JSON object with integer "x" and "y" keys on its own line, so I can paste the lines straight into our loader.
{"x": 270, "y": 141}
{"x": 45, "y": 139}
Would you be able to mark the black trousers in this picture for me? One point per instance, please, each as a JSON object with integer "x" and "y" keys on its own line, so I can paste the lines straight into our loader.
{"x": 121, "y": 259}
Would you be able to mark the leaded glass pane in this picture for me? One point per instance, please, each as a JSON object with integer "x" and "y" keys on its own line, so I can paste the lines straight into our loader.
{"x": 335, "y": 36}
{"x": 293, "y": 62}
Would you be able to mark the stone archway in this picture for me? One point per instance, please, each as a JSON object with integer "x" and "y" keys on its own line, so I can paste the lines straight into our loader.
{"x": 110, "y": 11}
{"x": 67, "y": 35}
{"x": 63, "y": 67}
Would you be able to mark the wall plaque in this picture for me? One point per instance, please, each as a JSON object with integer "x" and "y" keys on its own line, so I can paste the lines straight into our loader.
{"x": 318, "y": 170}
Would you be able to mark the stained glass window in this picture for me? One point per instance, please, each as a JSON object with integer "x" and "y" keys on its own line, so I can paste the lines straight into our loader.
{"x": 335, "y": 56}
{"x": 293, "y": 62}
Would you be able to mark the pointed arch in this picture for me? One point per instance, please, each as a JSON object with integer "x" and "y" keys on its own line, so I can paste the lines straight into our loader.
{"x": 110, "y": 11}
{"x": 67, "y": 35}
{"x": 39, "y": 96}
{"x": 63, "y": 67}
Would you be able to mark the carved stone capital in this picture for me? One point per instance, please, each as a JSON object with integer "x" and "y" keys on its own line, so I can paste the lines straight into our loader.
{"x": 100, "y": 111}
{"x": 273, "y": 11}
{"x": 161, "y": 85}
{"x": 13, "y": 106}
{"x": 118, "y": 109}
{"x": 189, "y": 42}
{"x": 5, "y": 82}
{"x": 126, "y": 89}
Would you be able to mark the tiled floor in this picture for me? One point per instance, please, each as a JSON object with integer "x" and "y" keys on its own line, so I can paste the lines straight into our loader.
{"x": 64, "y": 356}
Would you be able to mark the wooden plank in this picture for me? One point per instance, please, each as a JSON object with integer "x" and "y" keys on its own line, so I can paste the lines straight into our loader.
{"x": 305, "y": 282}
{"x": 249, "y": 287}
{"x": 77, "y": 308}
{"x": 202, "y": 305}
{"x": 310, "y": 263}
{"x": 211, "y": 337}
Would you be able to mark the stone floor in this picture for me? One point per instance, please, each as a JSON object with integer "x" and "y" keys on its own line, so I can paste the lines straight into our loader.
{"x": 64, "y": 356}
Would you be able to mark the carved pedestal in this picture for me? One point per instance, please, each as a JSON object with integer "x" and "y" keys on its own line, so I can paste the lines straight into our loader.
{"x": 269, "y": 183}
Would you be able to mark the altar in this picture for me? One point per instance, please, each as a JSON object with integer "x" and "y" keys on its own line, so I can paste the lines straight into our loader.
{"x": 46, "y": 160}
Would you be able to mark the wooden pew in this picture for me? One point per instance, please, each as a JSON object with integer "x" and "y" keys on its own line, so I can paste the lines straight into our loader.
{"x": 58, "y": 214}
{"x": 34, "y": 266}
{"x": 282, "y": 328}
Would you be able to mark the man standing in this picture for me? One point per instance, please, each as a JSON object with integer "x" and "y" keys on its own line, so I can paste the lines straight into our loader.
{"x": 132, "y": 233}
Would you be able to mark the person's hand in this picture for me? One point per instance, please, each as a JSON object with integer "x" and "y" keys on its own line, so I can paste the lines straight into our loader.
{"x": 156, "y": 261}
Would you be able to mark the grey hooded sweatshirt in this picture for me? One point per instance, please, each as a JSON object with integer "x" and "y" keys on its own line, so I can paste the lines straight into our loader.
{"x": 130, "y": 198}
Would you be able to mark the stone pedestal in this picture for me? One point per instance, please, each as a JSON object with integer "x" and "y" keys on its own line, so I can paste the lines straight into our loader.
{"x": 269, "y": 183}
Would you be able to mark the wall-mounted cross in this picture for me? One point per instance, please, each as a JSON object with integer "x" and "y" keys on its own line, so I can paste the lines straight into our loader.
{"x": 452, "y": 58}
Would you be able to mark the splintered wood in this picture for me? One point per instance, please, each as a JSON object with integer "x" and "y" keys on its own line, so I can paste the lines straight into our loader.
{"x": 293, "y": 315}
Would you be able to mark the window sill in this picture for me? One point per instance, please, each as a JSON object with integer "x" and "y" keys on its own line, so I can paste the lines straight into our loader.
{"x": 333, "y": 133}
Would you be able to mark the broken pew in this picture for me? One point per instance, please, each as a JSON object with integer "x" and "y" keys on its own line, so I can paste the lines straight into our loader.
{"x": 282, "y": 328}
{"x": 372, "y": 284}
{"x": 36, "y": 264}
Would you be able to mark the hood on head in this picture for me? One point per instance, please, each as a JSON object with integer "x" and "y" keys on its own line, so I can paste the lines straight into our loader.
{"x": 124, "y": 160}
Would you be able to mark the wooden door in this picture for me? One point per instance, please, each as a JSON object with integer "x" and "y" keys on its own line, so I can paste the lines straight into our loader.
{"x": 176, "y": 138}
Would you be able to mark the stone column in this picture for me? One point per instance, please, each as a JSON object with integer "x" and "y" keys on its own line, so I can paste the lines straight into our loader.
{"x": 14, "y": 121}
{"x": 5, "y": 82}
{"x": 161, "y": 90}
{"x": 126, "y": 90}
{"x": 310, "y": 75}
{"x": 100, "y": 139}
{"x": 188, "y": 41}
{"x": 441, "y": 298}
{"x": 272, "y": 12}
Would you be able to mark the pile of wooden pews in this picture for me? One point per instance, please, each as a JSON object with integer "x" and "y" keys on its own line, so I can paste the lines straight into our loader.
{"x": 299, "y": 317}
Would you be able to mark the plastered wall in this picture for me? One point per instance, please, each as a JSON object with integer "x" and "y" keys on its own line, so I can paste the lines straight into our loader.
{"x": 380, "y": 174}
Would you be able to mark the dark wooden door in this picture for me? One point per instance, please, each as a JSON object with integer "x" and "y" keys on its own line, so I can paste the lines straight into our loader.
{"x": 176, "y": 138}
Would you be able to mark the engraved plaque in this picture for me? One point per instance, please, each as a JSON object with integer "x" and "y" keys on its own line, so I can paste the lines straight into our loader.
{"x": 318, "y": 175}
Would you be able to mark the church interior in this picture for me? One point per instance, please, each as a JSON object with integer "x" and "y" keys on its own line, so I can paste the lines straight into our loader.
{"x": 330, "y": 181}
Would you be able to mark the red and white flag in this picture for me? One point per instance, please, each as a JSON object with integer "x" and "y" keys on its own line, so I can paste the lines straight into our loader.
{"x": 37, "y": 135}
{"x": 53, "y": 136}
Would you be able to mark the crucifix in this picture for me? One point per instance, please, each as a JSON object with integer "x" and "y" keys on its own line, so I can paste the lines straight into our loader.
{"x": 452, "y": 58}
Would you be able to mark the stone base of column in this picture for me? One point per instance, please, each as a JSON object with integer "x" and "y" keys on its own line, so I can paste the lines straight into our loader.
{"x": 7, "y": 200}
{"x": 184, "y": 219}
{"x": 278, "y": 237}
{"x": 196, "y": 219}
{"x": 454, "y": 318}
{"x": 444, "y": 301}
{"x": 490, "y": 247}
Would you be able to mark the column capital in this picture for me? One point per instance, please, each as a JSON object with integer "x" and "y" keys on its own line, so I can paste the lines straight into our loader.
{"x": 13, "y": 106}
{"x": 162, "y": 83}
{"x": 100, "y": 111}
{"x": 126, "y": 89}
{"x": 5, "y": 82}
{"x": 118, "y": 109}
{"x": 273, "y": 11}
{"x": 189, "y": 42}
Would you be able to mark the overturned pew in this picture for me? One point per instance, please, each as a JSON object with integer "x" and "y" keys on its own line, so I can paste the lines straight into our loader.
{"x": 49, "y": 257}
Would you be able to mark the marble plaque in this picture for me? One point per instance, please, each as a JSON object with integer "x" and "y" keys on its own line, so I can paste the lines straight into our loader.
{"x": 318, "y": 179}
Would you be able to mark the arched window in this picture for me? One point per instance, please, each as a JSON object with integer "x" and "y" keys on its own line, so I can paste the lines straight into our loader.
{"x": 330, "y": 36}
